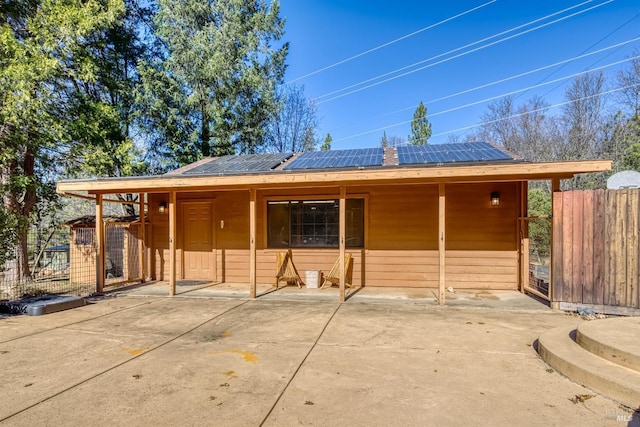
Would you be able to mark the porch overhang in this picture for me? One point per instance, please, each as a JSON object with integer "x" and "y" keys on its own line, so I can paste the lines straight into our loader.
{"x": 520, "y": 171}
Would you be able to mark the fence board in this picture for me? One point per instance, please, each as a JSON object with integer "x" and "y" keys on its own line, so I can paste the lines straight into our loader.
{"x": 587, "y": 248}
{"x": 576, "y": 246}
{"x": 609, "y": 261}
{"x": 567, "y": 246}
{"x": 620, "y": 245}
{"x": 599, "y": 246}
{"x": 557, "y": 249}
{"x": 632, "y": 250}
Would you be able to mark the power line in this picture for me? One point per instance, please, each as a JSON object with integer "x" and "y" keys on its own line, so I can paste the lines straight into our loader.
{"x": 485, "y": 100}
{"x": 584, "y": 55}
{"x": 535, "y": 111}
{"x": 590, "y": 47}
{"x": 535, "y": 86}
{"x": 392, "y": 42}
{"x": 458, "y": 55}
{"x": 451, "y": 51}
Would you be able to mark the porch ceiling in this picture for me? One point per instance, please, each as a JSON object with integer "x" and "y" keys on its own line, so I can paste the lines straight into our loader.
{"x": 327, "y": 178}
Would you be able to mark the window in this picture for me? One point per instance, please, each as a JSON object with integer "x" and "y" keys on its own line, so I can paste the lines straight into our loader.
{"x": 313, "y": 223}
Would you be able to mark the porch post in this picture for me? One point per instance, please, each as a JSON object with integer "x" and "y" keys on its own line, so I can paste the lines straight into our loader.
{"x": 524, "y": 235}
{"x": 441, "y": 245}
{"x": 100, "y": 247}
{"x": 172, "y": 243}
{"x": 342, "y": 238}
{"x": 252, "y": 243}
{"x": 142, "y": 249}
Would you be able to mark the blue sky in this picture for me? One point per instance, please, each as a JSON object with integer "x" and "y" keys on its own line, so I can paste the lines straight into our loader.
{"x": 323, "y": 32}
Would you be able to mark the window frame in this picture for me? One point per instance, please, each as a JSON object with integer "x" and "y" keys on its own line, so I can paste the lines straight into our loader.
{"x": 323, "y": 197}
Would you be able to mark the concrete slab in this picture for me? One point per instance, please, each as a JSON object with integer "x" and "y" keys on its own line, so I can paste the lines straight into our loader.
{"x": 496, "y": 299}
{"x": 214, "y": 361}
{"x": 12, "y": 327}
{"x": 68, "y": 355}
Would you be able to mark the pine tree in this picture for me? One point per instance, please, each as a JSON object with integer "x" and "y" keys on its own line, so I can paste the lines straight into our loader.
{"x": 326, "y": 145}
{"x": 384, "y": 142}
{"x": 420, "y": 127}
{"x": 217, "y": 82}
{"x": 308, "y": 140}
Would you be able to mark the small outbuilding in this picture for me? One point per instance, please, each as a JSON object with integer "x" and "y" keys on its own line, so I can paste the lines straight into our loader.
{"x": 122, "y": 245}
{"x": 436, "y": 216}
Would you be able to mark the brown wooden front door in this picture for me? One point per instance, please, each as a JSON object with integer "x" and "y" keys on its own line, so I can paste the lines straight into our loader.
{"x": 198, "y": 241}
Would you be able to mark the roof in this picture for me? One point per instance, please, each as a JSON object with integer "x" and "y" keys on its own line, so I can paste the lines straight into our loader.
{"x": 361, "y": 158}
{"x": 460, "y": 162}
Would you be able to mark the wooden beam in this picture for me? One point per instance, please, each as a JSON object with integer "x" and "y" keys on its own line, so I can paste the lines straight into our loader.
{"x": 93, "y": 198}
{"x": 143, "y": 238}
{"x": 342, "y": 240}
{"x": 172, "y": 243}
{"x": 252, "y": 243}
{"x": 441, "y": 245}
{"x": 491, "y": 172}
{"x": 100, "y": 246}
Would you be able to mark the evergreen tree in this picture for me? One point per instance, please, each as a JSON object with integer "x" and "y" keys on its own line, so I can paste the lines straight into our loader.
{"x": 217, "y": 80}
{"x": 42, "y": 46}
{"x": 384, "y": 143}
{"x": 326, "y": 145}
{"x": 632, "y": 153}
{"x": 308, "y": 140}
{"x": 420, "y": 127}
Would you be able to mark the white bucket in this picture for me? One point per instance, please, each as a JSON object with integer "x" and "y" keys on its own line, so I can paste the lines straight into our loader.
{"x": 313, "y": 279}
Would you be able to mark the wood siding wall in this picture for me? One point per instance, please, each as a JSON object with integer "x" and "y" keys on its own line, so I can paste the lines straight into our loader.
{"x": 401, "y": 236}
{"x": 595, "y": 247}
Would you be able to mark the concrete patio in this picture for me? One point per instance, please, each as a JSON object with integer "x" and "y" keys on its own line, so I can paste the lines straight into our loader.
{"x": 284, "y": 359}
{"x": 426, "y": 296}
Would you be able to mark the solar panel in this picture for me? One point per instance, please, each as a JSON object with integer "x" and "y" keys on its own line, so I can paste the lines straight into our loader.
{"x": 467, "y": 152}
{"x": 231, "y": 164}
{"x": 338, "y": 159}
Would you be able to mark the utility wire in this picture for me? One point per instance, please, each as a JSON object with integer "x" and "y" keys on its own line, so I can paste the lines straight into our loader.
{"x": 536, "y": 110}
{"x": 485, "y": 100}
{"x": 392, "y": 42}
{"x": 397, "y": 70}
{"x": 584, "y": 55}
{"x": 451, "y": 51}
{"x": 590, "y": 47}
{"x": 458, "y": 55}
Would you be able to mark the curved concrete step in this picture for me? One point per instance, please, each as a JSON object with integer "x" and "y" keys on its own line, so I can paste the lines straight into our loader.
{"x": 558, "y": 348}
{"x": 617, "y": 340}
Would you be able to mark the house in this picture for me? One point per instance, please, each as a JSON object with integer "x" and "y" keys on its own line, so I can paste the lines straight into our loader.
{"x": 417, "y": 216}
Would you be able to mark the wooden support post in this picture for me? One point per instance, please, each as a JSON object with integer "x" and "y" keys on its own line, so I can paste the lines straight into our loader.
{"x": 252, "y": 243}
{"x": 524, "y": 236}
{"x": 142, "y": 248}
{"x": 342, "y": 240}
{"x": 172, "y": 243}
{"x": 555, "y": 188}
{"x": 100, "y": 246}
{"x": 441, "y": 245}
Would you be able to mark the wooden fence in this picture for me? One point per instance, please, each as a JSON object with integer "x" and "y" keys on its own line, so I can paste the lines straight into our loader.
{"x": 595, "y": 248}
